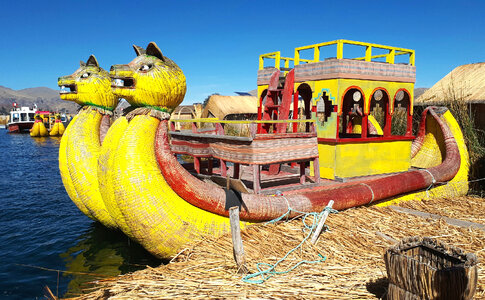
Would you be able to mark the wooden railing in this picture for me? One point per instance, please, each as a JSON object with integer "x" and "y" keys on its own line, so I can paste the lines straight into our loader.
{"x": 246, "y": 128}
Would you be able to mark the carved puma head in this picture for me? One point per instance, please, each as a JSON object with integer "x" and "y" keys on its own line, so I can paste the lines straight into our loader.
{"x": 88, "y": 85}
{"x": 150, "y": 80}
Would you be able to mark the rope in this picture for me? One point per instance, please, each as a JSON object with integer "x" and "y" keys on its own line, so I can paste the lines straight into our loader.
{"x": 270, "y": 271}
{"x": 371, "y": 200}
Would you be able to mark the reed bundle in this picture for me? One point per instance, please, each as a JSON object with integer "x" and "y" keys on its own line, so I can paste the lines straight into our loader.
{"x": 354, "y": 246}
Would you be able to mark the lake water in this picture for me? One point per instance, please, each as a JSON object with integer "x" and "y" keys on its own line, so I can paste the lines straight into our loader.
{"x": 42, "y": 231}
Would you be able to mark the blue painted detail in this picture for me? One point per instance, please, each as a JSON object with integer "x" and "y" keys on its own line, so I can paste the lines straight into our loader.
{"x": 329, "y": 94}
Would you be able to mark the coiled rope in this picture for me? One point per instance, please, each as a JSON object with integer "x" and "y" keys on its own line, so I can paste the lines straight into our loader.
{"x": 270, "y": 269}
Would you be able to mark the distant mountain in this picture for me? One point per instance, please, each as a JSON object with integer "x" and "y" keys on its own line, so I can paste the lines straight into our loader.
{"x": 45, "y": 98}
{"x": 419, "y": 91}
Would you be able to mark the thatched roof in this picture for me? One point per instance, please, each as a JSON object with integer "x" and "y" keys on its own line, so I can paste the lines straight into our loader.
{"x": 464, "y": 83}
{"x": 221, "y": 106}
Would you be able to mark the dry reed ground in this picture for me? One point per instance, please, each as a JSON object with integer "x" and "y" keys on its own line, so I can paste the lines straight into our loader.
{"x": 354, "y": 267}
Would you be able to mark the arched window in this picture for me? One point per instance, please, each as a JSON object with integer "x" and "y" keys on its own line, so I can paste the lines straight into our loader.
{"x": 379, "y": 117}
{"x": 401, "y": 117}
{"x": 304, "y": 106}
{"x": 350, "y": 121}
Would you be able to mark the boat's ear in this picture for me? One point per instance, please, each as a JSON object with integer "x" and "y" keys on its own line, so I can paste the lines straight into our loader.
{"x": 153, "y": 50}
{"x": 139, "y": 50}
{"x": 92, "y": 61}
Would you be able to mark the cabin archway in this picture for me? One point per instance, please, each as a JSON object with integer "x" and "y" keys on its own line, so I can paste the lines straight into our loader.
{"x": 379, "y": 113}
{"x": 304, "y": 93}
{"x": 402, "y": 121}
{"x": 352, "y": 120}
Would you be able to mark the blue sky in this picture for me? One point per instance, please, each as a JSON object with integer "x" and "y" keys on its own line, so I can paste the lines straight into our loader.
{"x": 217, "y": 43}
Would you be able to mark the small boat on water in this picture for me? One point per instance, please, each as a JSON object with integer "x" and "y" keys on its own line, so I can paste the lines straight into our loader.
{"x": 336, "y": 129}
{"x": 21, "y": 119}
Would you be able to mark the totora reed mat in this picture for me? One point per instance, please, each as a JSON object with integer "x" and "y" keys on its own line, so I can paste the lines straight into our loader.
{"x": 354, "y": 248}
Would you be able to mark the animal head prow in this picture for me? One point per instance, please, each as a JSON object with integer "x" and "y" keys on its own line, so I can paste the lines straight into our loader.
{"x": 88, "y": 85}
{"x": 150, "y": 79}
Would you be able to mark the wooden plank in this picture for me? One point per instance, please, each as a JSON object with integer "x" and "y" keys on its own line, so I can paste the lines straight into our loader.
{"x": 319, "y": 228}
{"x": 256, "y": 179}
{"x": 237, "y": 245}
{"x": 450, "y": 221}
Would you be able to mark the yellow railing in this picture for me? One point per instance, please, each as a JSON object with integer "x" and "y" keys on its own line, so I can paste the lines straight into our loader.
{"x": 276, "y": 56}
{"x": 390, "y": 56}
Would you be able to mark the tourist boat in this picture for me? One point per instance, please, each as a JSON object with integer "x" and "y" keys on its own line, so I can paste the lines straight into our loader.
{"x": 21, "y": 119}
{"x": 348, "y": 139}
{"x": 336, "y": 129}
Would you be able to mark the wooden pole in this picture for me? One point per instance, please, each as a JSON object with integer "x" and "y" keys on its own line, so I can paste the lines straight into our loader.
{"x": 317, "y": 232}
{"x": 237, "y": 245}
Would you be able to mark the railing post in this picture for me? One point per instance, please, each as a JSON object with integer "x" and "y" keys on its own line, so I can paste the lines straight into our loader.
{"x": 316, "y": 54}
{"x": 277, "y": 60}
{"x": 297, "y": 57}
{"x": 236, "y": 171}
{"x": 340, "y": 49}
{"x": 391, "y": 56}
{"x": 261, "y": 62}
{"x": 368, "y": 53}
{"x": 302, "y": 172}
{"x": 412, "y": 58}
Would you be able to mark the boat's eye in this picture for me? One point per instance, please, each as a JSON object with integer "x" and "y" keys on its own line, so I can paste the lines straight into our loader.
{"x": 85, "y": 75}
{"x": 145, "y": 67}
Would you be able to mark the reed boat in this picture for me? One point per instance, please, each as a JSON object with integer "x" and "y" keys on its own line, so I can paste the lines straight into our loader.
{"x": 336, "y": 129}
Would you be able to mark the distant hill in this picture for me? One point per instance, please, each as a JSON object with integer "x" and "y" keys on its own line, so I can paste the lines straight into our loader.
{"x": 45, "y": 98}
{"x": 419, "y": 91}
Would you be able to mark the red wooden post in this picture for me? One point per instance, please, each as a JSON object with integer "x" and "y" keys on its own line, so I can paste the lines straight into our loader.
{"x": 194, "y": 127}
{"x": 210, "y": 165}
{"x": 172, "y": 126}
{"x": 316, "y": 170}
{"x": 365, "y": 120}
{"x": 236, "y": 172}
{"x": 223, "y": 168}
{"x": 409, "y": 130}
{"x": 295, "y": 110}
{"x": 219, "y": 129}
{"x": 197, "y": 164}
{"x": 387, "y": 127}
{"x": 256, "y": 179}
{"x": 302, "y": 172}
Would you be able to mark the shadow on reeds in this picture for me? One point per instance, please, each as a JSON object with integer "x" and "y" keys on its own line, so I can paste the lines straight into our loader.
{"x": 378, "y": 287}
{"x": 101, "y": 253}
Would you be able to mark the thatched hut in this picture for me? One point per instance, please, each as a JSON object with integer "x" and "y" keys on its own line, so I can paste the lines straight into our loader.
{"x": 465, "y": 83}
{"x": 231, "y": 107}
{"x": 183, "y": 112}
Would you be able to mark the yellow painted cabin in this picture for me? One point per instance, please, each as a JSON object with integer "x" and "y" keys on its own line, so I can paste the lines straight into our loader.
{"x": 362, "y": 104}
